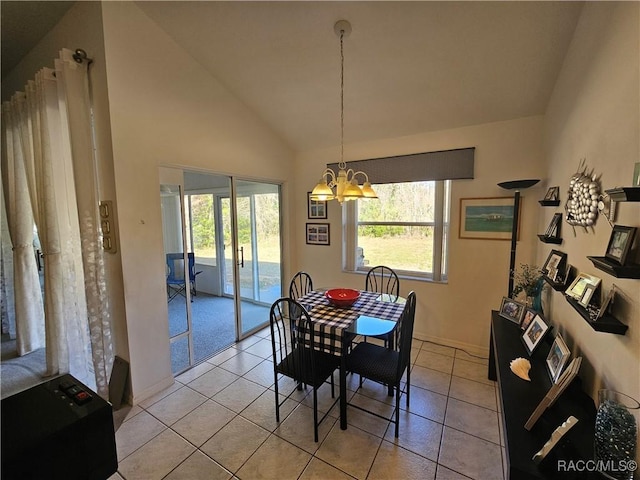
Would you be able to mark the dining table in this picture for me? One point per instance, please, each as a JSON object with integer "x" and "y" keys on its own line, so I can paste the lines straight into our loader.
{"x": 372, "y": 314}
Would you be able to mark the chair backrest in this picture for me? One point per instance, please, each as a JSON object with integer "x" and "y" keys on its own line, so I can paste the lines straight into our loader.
{"x": 300, "y": 285}
{"x": 405, "y": 332}
{"x": 192, "y": 266}
{"x": 175, "y": 267}
{"x": 291, "y": 331}
{"x": 382, "y": 279}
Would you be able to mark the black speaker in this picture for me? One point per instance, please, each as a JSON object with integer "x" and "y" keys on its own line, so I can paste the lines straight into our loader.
{"x": 59, "y": 429}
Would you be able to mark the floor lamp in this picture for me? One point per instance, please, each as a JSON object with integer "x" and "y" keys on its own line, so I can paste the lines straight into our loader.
{"x": 516, "y": 185}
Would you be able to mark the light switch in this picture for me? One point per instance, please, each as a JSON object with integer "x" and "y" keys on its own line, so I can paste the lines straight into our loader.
{"x": 108, "y": 226}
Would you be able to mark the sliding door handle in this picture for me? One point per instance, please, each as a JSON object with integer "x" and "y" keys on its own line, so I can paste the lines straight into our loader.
{"x": 241, "y": 262}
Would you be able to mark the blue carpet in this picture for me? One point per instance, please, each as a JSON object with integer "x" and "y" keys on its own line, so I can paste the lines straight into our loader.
{"x": 213, "y": 326}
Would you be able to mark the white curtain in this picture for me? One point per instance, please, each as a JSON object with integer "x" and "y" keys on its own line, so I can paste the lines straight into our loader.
{"x": 29, "y": 316}
{"x": 52, "y": 119}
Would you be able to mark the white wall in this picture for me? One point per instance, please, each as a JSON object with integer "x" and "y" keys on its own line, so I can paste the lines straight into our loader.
{"x": 166, "y": 110}
{"x": 456, "y": 313}
{"x": 594, "y": 113}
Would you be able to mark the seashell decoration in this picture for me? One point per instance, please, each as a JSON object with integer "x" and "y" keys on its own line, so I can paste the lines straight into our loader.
{"x": 583, "y": 197}
{"x": 521, "y": 366}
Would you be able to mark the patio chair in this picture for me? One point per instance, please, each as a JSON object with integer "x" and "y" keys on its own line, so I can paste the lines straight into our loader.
{"x": 176, "y": 284}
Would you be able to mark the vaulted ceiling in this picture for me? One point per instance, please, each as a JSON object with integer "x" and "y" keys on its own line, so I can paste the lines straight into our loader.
{"x": 410, "y": 67}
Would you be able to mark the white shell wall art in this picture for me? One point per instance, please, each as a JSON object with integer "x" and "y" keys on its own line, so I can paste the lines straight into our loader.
{"x": 583, "y": 197}
{"x": 521, "y": 366}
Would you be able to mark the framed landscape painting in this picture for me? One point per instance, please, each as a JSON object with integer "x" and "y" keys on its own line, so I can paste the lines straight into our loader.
{"x": 486, "y": 218}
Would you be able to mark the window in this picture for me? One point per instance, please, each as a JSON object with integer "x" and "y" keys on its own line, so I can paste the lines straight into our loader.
{"x": 407, "y": 229}
{"x": 200, "y": 219}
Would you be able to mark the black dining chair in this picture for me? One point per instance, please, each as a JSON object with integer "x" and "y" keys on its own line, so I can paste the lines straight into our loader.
{"x": 298, "y": 353}
{"x": 387, "y": 365}
{"x": 300, "y": 285}
{"x": 383, "y": 280}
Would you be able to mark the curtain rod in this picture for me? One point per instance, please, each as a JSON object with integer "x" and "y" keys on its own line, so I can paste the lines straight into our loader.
{"x": 80, "y": 55}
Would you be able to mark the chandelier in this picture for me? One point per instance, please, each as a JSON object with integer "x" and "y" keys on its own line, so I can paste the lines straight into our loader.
{"x": 343, "y": 186}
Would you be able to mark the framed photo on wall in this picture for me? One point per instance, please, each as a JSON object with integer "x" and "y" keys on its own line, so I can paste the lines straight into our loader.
{"x": 486, "y": 218}
{"x": 552, "y": 193}
{"x": 316, "y": 209}
{"x": 579, "y": 285}
{"x": 554, "y": 265}
{"x": 620, "y": 243}
{"x": 318, "y": 234}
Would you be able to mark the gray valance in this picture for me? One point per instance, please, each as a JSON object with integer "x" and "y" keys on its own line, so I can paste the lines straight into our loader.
{"x": 443, "y": 165}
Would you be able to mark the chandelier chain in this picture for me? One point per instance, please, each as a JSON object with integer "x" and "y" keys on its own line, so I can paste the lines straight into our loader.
{"x": 342, "y": 164}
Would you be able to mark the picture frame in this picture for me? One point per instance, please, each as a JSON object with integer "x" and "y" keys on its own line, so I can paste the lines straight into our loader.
{"x": 534, "y": 333}
{"x": 529, "y": 315}
{"x": 554, "y": 265}
{"x": 318, "y": 234}
{"x": 587, "y": 295}
{"x": 557, "y": 358}
{"x": 489, "y": 218}
{"x": 552, "y": 194}
{"x": 578, "y": 286}
{"x": 607, "y": 301}
{"x": 620, "y": 243}
{"x": 512, "y": 310}
{"x": 316, "y": 209}
{"x": 554, "y": 224}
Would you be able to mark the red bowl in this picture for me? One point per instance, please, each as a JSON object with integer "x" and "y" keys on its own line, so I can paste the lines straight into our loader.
{"x": 342, "y": 297}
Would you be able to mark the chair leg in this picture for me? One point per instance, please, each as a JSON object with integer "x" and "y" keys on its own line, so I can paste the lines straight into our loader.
{"x": 315, "y": 415}
{"x": 408, "y": 383}
{"x": 397, "y": 409}
{"x": 333, "y": 394}
{"x": 277, "y": 398}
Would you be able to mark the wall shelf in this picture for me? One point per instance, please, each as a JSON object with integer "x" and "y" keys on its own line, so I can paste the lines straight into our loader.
{"x": 549, "y": 203}
{"x": 607, "y": 323}
{"x": 618, "y": 271}
{"x": 624, "y": 194}
{"x": 548, "y": 239}
{"x": 557, "y": 286}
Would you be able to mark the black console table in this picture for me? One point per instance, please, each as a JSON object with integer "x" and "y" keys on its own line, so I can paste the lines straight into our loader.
{"x": 519, "y": 398}
{"x": 58, "y": 430}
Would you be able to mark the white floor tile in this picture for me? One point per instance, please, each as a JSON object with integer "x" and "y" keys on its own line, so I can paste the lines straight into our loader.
{"x": 218, "y": 422}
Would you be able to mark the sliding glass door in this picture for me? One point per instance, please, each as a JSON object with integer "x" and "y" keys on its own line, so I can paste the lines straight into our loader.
{"x": 259, "y": 266}
{"x": 233, "y": 262}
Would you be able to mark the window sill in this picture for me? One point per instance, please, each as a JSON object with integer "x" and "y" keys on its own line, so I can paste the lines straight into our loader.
{"x": 404, "y": 276}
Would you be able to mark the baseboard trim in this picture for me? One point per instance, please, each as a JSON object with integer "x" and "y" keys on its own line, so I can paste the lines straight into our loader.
{"x": 150, "y": 391}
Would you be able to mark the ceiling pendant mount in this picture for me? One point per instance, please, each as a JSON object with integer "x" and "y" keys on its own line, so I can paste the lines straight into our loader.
{"x": 345, "y": 184}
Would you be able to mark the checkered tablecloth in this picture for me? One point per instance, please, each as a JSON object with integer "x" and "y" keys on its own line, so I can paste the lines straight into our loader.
{"x": 332, "y": 321}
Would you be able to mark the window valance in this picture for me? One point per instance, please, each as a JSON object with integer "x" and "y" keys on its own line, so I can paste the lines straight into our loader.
{"x": 443, "y": 165}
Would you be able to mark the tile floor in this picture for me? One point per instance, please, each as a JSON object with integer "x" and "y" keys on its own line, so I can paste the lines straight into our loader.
{"x": 218, "y": 422}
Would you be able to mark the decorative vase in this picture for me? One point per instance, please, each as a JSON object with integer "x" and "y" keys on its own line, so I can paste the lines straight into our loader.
{"x": 615, "y": 435}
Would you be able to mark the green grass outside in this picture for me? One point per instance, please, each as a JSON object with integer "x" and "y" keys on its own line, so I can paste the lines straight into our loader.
{"x": 402, "y": 253}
